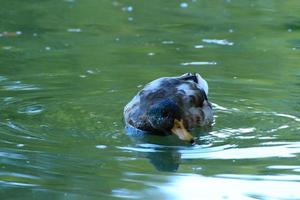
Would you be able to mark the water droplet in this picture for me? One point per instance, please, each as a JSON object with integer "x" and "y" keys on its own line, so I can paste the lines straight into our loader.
{"x": 90, "y": 71}
{"x": 47, "y": 48}
{"x": 199, "y": 46}
{"x": 128, "y": 8}
{"x": 151, "y": 54}
{"x": 19, "y": 33}
{"x": 101, "y": 146}
{"x": 130, "y": 18}
{"x": 20, "y": 145}
{"x": 168, "y": 42}
{"x": 74, "y": 30}
{"x": 34, "y": 34}
{"x": 184, "y": 5}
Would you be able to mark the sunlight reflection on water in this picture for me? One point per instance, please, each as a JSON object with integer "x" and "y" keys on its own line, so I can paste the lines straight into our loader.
{"x": 288, "y": 150}
{"x": 228, "y": 187}
{"x": 31, "y": 109}
{"x": 199, "y": 63}
{"x": 17, "y": 85}
{"x": 219, "y": 42}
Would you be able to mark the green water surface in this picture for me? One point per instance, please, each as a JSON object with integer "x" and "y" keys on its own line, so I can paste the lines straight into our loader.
{"x": 68, "y": 67}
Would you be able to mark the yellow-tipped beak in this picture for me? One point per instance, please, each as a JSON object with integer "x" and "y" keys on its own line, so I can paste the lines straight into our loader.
{"x": 179, "y": 130}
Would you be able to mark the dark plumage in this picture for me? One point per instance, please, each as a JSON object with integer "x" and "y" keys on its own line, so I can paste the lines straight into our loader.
{"x": 171, "y": 104}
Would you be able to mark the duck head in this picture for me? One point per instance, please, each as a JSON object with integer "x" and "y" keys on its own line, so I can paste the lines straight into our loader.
{"x": 166, "y": 116}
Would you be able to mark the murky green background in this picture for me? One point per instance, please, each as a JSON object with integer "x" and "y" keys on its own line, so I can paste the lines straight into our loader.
{"x": 67, "y": 68}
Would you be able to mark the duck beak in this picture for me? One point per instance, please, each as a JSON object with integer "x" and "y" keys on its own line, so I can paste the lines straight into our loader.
{"x": 179, "y": 130}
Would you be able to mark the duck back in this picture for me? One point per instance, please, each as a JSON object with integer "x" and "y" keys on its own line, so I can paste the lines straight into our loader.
{"x": 185, "y": 91}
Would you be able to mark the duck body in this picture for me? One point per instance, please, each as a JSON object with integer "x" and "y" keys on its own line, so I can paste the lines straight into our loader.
{"x": 170, "y": 102}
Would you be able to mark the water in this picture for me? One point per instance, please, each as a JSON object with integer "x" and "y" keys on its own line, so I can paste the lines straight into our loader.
{"x": 67, "y": 68}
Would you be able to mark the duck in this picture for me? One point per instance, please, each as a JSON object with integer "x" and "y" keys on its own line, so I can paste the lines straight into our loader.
{"x": 171, "y": 105}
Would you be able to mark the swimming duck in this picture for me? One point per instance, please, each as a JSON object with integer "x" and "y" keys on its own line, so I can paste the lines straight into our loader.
{"x": 171, "y": 105}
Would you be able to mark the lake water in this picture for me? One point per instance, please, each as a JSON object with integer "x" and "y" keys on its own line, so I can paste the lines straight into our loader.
{"x": 68, "y": 67}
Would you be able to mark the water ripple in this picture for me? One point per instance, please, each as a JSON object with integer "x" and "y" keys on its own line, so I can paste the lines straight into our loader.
{"x": 124, "y": 193}
{"x": 32, "y": 109}
{"x": 225, "y": 187}
{"x": 10, "y": 155}
{"x": 2, "y": 78}
{"x": 136, "y": 149}
{"x": 224, "y": 133}
{"x": 262, "y": 177}
{"x": 294, "y": 168}
{"x": 278, "y": 128}
{"x": 18, "y": 179}
{"x": 223, "y": 109}
{"x": 18, "y": 86}
{"x": 284, "y": 115}
{"x": 11, "y": 183}
{"x": 20, "y": 130}
{"x": 219, "y": 42}
{"x": 199, "y": 63}
{"x": 288, "y": 150}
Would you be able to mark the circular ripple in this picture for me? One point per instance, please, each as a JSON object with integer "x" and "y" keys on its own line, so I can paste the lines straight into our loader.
{"x": 31, "y": 110}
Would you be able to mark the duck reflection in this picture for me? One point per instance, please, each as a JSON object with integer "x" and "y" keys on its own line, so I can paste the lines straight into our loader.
{"x": 167, "y": 161}
{"x": 163, "y": 152}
